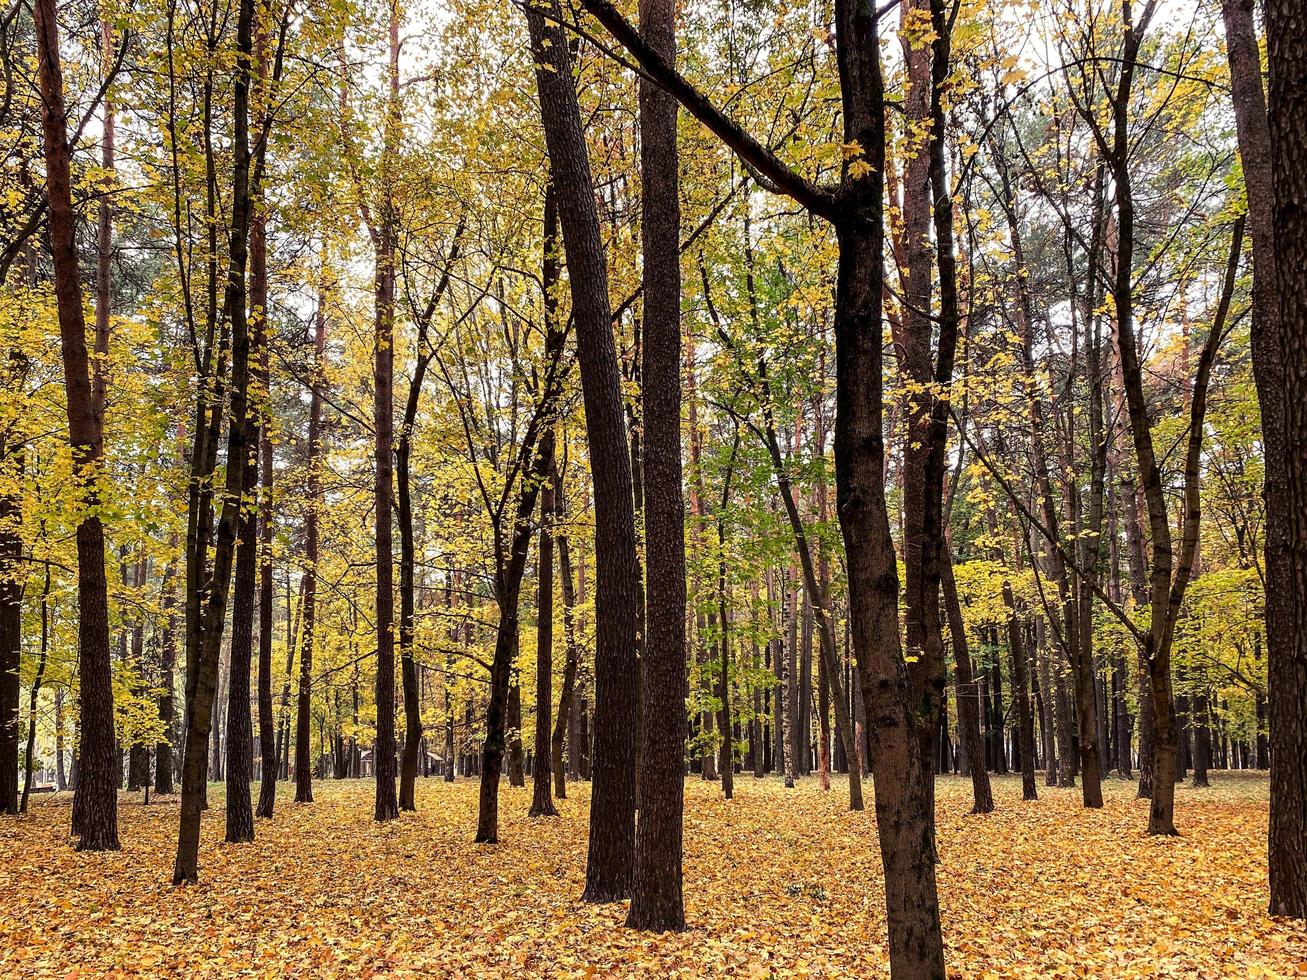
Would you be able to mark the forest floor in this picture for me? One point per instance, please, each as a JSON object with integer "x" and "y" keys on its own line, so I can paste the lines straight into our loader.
{"x": 777, "y": 883}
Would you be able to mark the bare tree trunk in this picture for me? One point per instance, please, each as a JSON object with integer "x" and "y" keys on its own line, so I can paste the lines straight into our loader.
{"x": 656, "y": 901}
{"x": 612, "y": 812}
{"x": 566, "y": 715}
{"x": 383, "y": 388}
{"x": 203, "y": 681}
{"x": 309, "y": 580}
{"x": 1287, "y": 654}
{"x": 12, "y": 578}
{"x": 95, "y": 806}
{"x": 542, "y": 801}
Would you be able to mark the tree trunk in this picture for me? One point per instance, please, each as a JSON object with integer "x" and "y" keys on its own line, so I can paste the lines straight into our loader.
{"x": 1287, "y": 651}
{"x": 383, "y": 416}
{"x": 202, "y": 682}
{"x": 267, "y": 723}
{"x": 656, "y": 900}
{"x": 566, "y": 715}
{"x": 309, "y": 581}
{"x": 612, "y": 811}
{"x": 95, "y": 806}
{"x": 542, "y": 800}
{"x": 239, "y": 748}
{"x": 12, "y": 577}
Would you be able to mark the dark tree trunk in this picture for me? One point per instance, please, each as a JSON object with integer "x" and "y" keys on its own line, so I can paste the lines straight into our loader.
{"x": 95, "y": 805}
{"x": 612, "y": 811}
{"x": 566, "y": 716}
{"x": 309, "y": 581}
{"x": 268, "y": 757}
{"x": 28, "y": 754}
{"x": 516, "y": 760}
{"x": 1021, "y": 694}
{"x": 239, "y": 747}
{"x": 656, "y": 901}
{"x": 542, "y": 800}
{"x": 163, "y": 762}
{"x": 12, "y": 576}
{"x": 202, "y": 682}
{"x": 1286, "y": 36}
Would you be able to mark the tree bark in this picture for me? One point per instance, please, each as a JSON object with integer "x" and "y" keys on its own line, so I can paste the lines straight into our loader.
{"x": 95, "y": 805}
{"x": 1286, "y": 35}
{"x": 383, "y": 416}
{"x": 203, "y": 681}
{"x": 12, "y": 578}
{"x": 612, "y": 811}
{"x": 564, "y": 722}
{"x": 309, "y": 580}
{"x": 656, "y": 898}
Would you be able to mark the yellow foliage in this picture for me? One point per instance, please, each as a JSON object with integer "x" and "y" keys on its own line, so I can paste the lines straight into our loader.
{"x": 778, "y": 883}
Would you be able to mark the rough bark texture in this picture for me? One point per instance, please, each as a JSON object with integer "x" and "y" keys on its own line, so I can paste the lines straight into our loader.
{"x": 656, "y": 901}
{"x": 95, "y": 806}
{"x": 612, "y": 811}
{"x": 1286, "y": 30}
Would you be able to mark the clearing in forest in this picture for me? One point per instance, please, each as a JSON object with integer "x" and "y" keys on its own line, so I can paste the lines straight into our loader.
{"x": 777, "y": 883}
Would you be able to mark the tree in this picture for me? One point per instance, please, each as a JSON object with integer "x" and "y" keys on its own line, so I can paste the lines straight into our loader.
{"x": 612, "y": 809}
{"x": 1287, "y": 72}
{"x": 95, "y": 806}
{"x": 656, "y": 902}
{"x": 854, "y": 209}
{"x": 201, "y": 683}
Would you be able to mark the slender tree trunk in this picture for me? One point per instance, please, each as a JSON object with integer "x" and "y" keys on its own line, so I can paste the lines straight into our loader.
{"x": 29, "y": 753}
{"x": 309, "y": 581}
{"x": 239, "y": 747}
{"x": 163, "y": 760}
{"x": 968, "y": 695}
{"x": 267, "y": 723}
{"x": 12, "y": 579}
{"x": 383, "y": 413}
{"x": 566, "y": 716}
{"x": 201, "y": 685}
{"x": 542, "y": 800}
{"x": 95, "y": 806}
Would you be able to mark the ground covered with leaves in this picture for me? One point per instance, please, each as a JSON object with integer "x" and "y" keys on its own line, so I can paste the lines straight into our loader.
{"x": 777, "y": 883}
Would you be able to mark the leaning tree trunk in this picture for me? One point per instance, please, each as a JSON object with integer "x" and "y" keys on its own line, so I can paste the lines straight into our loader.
{"x": 612, "y": 811}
